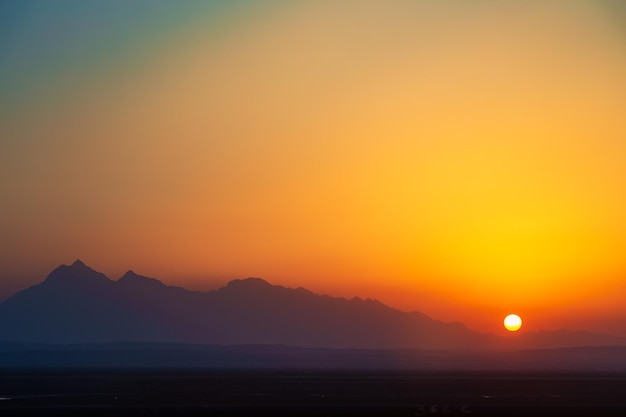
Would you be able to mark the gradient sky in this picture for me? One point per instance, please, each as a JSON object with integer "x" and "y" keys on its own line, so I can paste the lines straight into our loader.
{"x": 463, "y": 159}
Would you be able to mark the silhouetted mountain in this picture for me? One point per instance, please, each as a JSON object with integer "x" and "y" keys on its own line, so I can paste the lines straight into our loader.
{"x": 76, "y": 304}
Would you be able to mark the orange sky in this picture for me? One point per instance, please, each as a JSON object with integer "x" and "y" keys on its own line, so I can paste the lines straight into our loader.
{"x": 462, "y": 159}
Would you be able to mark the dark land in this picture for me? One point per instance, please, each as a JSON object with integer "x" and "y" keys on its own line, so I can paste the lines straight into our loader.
{"x": 80, "y": 344}
{"x": 134, "y": 355}
{"x": 155, "y": 392}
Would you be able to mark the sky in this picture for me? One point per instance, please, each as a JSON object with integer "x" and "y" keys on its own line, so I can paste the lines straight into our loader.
{"x": 463, "y": 159}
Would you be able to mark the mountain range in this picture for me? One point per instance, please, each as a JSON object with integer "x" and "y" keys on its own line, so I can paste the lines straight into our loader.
{"x": 76, "y": 305}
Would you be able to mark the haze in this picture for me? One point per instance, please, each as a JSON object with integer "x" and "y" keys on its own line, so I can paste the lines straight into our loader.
{"x": 466, "y": 160}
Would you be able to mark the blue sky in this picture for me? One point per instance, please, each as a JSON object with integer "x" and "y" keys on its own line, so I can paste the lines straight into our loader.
{"x": 44, "y": 41}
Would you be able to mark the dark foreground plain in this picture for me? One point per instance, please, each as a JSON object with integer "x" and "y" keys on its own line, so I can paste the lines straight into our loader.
{"x": 309, "y": 393}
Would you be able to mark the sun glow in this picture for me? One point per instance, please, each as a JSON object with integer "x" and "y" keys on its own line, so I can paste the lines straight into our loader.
{"x": 512, "y": 322}
{"x": 412, "y": 152}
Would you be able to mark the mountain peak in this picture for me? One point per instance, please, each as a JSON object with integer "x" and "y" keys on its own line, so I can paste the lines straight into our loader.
{"x": 130, "y": 274}
{"x": 251, "y": 282}
{"x": 77, "y": 272}
{"x": 79, "y": 264}
{"x": 131, "y": 277}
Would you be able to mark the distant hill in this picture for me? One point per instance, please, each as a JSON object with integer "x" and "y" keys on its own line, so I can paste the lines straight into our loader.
{"x": 76, "y": 304}
{"x": 250, "y": 357}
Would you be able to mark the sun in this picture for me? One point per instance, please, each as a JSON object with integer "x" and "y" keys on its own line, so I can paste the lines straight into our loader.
{"x": 512, "y": 322}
